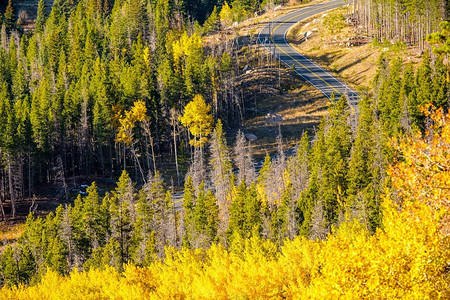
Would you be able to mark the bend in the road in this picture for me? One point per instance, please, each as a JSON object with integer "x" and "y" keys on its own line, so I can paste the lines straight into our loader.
{"x": 273, "y": 38}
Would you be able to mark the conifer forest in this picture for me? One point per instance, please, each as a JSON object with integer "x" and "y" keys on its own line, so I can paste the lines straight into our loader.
{"x": 145, "y": 100}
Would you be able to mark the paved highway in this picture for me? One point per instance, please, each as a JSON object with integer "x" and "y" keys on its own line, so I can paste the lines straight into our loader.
{"x": 273, "y": 38}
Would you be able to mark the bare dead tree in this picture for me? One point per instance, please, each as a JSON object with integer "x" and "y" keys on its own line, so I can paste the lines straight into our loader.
{"x": 299, "y": 170}
{"x": 197, "y": 170}
{"x": 73, "y": 259}
{"x": 12, "y": 193}
{"x": 221, "y": 177}
{"x": 146, "y": 126}
{"x": 174, "y": 120}
{"x": 275, "y": 181}
{"x": 60, "y": 177}
{"x": 318, "y": 227}
{"x": 243, "y": 160}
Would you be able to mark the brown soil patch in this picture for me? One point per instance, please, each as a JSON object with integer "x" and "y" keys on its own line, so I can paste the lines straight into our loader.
{"x": 9, "y": 233}
{"x": 348, "y": 53}
{"x": 269, "y": 87}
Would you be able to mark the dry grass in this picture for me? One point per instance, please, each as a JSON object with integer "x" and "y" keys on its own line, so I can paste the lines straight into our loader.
{"x": 347, "y": 53}
{"x": 9, "y": 233}
{"x": 283, "y": 93}
{"x": 270, "y": 87}
{"x": 250, "y": 28}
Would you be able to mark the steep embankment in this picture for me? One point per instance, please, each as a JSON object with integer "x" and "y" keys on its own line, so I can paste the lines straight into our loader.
{"x": 273, "y": 38}
{"x": 268, "y": 86}
{"x": 344, "y": 48}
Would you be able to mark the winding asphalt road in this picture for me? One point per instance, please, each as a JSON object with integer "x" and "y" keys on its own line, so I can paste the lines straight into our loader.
{"x": 273, "y": 38}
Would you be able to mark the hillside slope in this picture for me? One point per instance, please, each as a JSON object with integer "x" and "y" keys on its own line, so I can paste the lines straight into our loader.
{"x": 30, "y": 6}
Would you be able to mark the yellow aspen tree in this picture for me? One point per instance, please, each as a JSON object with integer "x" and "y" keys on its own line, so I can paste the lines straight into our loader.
{"x": 422, "y": 173}
{"x": 127, "y": 122}
{"x": 137, "y": 113}
{"x": 198, "y": 119}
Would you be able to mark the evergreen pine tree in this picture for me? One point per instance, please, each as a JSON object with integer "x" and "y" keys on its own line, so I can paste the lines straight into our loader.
{"x": 142, "y": 230}
{"x": 335, "y": 167}
{"x": 33, "y": 238}
{"x": 406, "y": 91}
{"x": 423, "y": 91}
{"x": 10, "y": 19}
{"x": 237, "y": 213}
{"x": 94, "y": 218}
{"x": 189, "y": 206}
{"x": 27, "y": 265}
{"x": 388, "y": 103}
{"x": 212, "y": 209}
{"x": 107, "y": 256}
{"x": 283, "y": 219}
{"x": 264, "y": 171}
{"x": 20, "y": 88}
{"x": 298, "y": 167}
{"x": 359, "y": 166}
{"x": 56, "y": 256}
{"x": 41, "y": 16}
{"x": 441, "y": 86}
{"x": 213, "y": 21}
{"x": 314, "y": 194}
{"x": 252, "y": 212}
{"x": 161, "y": 213}
{"x": 200, "y": 218}
{"x": 122, "y": 212}
{"x": 363, "y": 181}
{"x": 9, "y": 268}
{"x": 75, "y": 229}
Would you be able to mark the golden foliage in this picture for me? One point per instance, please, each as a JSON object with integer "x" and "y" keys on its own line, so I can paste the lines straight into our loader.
{"x": 198, "y": 120}
{"x": 137, "y": 113}
{"x": 406, "y": 259}
{"x": 146, "y": 57}
{"x": 9, "y": 233}
{"x": 423, "y": 170}
{"x": 186, "y": 46}
{"x": 349, "y": 265}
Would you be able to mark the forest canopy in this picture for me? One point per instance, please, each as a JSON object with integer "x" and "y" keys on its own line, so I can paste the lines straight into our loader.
{"x": 406, "y": 259}
{"x": 126, "y": 90}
